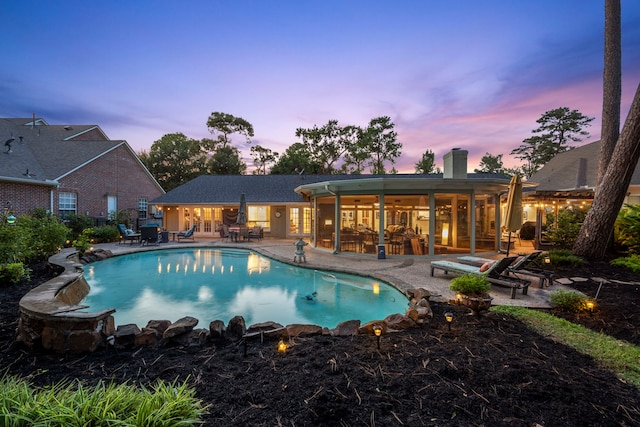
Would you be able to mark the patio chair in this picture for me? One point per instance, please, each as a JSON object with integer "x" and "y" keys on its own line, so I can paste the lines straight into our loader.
{"x": 493, "y": 271}
{"x": 524, "y": 266}
{"x": 128, "y": 234}
{"x": 187, "y": 235}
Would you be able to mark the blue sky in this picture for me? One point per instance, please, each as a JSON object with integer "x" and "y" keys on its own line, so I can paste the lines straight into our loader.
{"x": 450, "y": 73}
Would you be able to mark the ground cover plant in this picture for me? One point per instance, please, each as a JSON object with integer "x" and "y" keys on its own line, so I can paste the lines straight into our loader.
{"x": 490, "y": 370}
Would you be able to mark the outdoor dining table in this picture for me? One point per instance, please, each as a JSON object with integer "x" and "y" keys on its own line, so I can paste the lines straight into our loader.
{"x": 234, "y": 233}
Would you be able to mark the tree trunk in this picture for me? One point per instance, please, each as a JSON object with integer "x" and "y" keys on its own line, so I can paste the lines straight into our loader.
{"x": 612, "y": 85}
{"x": 596, "y": 230}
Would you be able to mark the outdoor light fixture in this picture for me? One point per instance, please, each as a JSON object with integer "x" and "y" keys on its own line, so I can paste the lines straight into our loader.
{"x": 449, "y": 317}
{"x": 11, "y": 220}
{"x": 547, "y": 260}
{"x": 458, "y": 297}
{"x": 377, "y": 330}
{"x": 282, "y": 346}
{"x": 590, "y": 306}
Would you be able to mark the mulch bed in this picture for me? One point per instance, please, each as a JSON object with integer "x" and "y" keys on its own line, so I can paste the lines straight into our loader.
{"x": 486, "y": 371}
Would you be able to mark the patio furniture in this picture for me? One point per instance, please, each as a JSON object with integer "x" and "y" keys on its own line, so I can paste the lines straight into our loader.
{"x": 149, "y": 234}
{"x": 127, "y": 234}
{"x": 187, "y": 235}
{"x": 493, "y": 271}
{"x": 523, "y": 266}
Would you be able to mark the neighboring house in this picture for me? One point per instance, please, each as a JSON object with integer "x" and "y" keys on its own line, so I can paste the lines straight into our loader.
{"x": 453, "y": 212}
{"x": 71, "y": 169}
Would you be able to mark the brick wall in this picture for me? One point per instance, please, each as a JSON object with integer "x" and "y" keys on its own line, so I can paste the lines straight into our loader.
{"x": 116, "y": 173}
{"x": 24, "y": 198}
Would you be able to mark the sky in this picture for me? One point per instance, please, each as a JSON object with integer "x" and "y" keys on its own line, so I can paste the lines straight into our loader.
{"x": 468, "y": 74}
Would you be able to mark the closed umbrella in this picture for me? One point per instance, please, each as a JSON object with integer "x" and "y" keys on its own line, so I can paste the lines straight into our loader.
{"x": 242, "y": 211}
{"x": 513, "y": 218}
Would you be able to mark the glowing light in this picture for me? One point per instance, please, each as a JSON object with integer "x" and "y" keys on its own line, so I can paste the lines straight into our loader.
{"x": 445, "y": 234}
{"x": 282, "y": 346}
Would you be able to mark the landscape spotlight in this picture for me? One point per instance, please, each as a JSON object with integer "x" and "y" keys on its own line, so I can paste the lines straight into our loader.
{"x": 590, "y": 306}
{"x": 282, "y": 346}
{"x": 449, "y": 317}
{"x": 377, "y": 330}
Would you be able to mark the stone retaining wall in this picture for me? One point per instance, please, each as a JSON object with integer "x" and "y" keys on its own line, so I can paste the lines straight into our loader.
{"x": 51, "y": 319}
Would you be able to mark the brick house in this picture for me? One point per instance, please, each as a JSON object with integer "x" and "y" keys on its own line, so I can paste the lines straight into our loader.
{"x": 73, "y": 169}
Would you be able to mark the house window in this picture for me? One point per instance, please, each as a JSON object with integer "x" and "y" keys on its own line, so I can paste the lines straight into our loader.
{"x": 143, "y": 206}
{"x": 67, "y": 204}
{"x": 258, "y": 215}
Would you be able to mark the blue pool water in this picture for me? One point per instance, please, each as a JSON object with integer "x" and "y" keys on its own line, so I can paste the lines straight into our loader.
{"x": 211, "y": 284}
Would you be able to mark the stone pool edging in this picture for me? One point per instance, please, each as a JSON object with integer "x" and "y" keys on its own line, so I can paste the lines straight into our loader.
{"x": 51, "y": 318}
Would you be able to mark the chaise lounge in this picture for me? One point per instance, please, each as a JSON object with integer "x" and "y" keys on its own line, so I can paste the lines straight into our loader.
{"x": 492, "y": 271}
{"x": 187, "y": 235}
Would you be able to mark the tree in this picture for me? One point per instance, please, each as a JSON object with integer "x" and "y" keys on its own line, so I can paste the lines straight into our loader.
{"x": 381, "y": 142}
{"x": 612, "y": 85}
{"x": 557, "y": 128}
{"x": 596, "y": 231}
{"x": 174, "y": 160}
{"x": 223, "y": 125}
{"x": 427, "y": 164}
{"x": 357, "y": 154}
{"x": 326, "y": 144}
{"x": 296, "y": 159}
{"x": 261, "y": 158}
{"x": 490, "y": 164}
{"x": 226, "y": 161}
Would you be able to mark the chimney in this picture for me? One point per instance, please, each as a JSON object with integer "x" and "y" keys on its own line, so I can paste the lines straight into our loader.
{"x": 581, "y": 176}
{"x": 455, "y": 164}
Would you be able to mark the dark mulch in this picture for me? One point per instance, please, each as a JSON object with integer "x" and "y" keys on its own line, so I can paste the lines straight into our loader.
{"x": 489, "y": 371}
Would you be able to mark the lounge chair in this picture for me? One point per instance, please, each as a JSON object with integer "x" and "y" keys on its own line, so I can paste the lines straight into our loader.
{"x": 128, "y": 234}
{"x": 187, "y": 235}
{"x": 525, "y": 266}
{"x": 493, "y": 273}
{"x": 255, "y": 233}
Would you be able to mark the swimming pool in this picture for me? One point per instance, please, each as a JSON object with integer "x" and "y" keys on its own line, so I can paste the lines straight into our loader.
{"x": 211, "y": 284}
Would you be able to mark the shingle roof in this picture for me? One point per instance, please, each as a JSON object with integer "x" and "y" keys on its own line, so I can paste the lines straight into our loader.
{"x": 561, "y": 172}
{"x": 47, "y": 152}
{"x": 226, "y": 189}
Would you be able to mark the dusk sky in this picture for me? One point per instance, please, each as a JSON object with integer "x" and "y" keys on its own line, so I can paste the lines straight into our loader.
{"x": 450, "y": 73}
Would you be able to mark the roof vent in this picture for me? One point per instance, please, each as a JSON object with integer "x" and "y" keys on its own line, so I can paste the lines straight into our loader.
{"x": 68, "y": 128}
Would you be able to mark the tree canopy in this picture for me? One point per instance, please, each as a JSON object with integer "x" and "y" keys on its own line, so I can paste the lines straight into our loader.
{"x": 224, "y": 125}
{"x": 427, "y": 164}
{"x": 557, "y": 128}
{"x": 174, "y": 160}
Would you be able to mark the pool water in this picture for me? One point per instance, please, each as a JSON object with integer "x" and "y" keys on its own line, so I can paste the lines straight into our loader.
{"x": 211, "y": 284}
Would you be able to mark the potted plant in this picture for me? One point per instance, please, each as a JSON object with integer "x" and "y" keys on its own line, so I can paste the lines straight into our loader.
{"x": 474, "y": 292}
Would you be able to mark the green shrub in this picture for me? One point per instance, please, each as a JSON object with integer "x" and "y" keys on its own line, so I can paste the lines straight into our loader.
{"x": 568, "y": 300}
{"x": 632, "y": 262}
{"x": 72, "y": 404}
{"x": 470, "y": 285}
{"x": 84, "y": 241}
{"x": 13, "y": 273}
{"x": 628, "y": 228}
{"x": 15, "y": 243}
{"x": 77, "y": 224}
{"x": 564, "y": 232}
{"x": 121, "y": 217}
{"x": 106, "y": 234}
{"x": 47, "y": 234}
{"x": 564, "y": 257}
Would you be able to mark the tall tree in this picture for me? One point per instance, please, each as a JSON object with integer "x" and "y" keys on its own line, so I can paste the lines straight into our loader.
{"x": 296, "y": 159}
{"x": 427, "y": 163}
{"x": 490, "y": 164}
{"x": 612, "y": 85}
{"x": 326, "y": 144}
{"x": 597, "y": 228}
{"x": 224, "y": 125}
{"x": 261, "y": 158}
{"x": 174, "y": 160}
{"x": 226, "y": 161}
{"x": 557, "y": 128}
{"x": 356, "y": 154}
{"x": 381, "y": 141}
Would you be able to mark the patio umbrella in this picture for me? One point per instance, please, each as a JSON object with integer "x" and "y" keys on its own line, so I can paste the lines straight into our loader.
{"x": 242, "y": 211}
{"x": 513, "y": 218}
